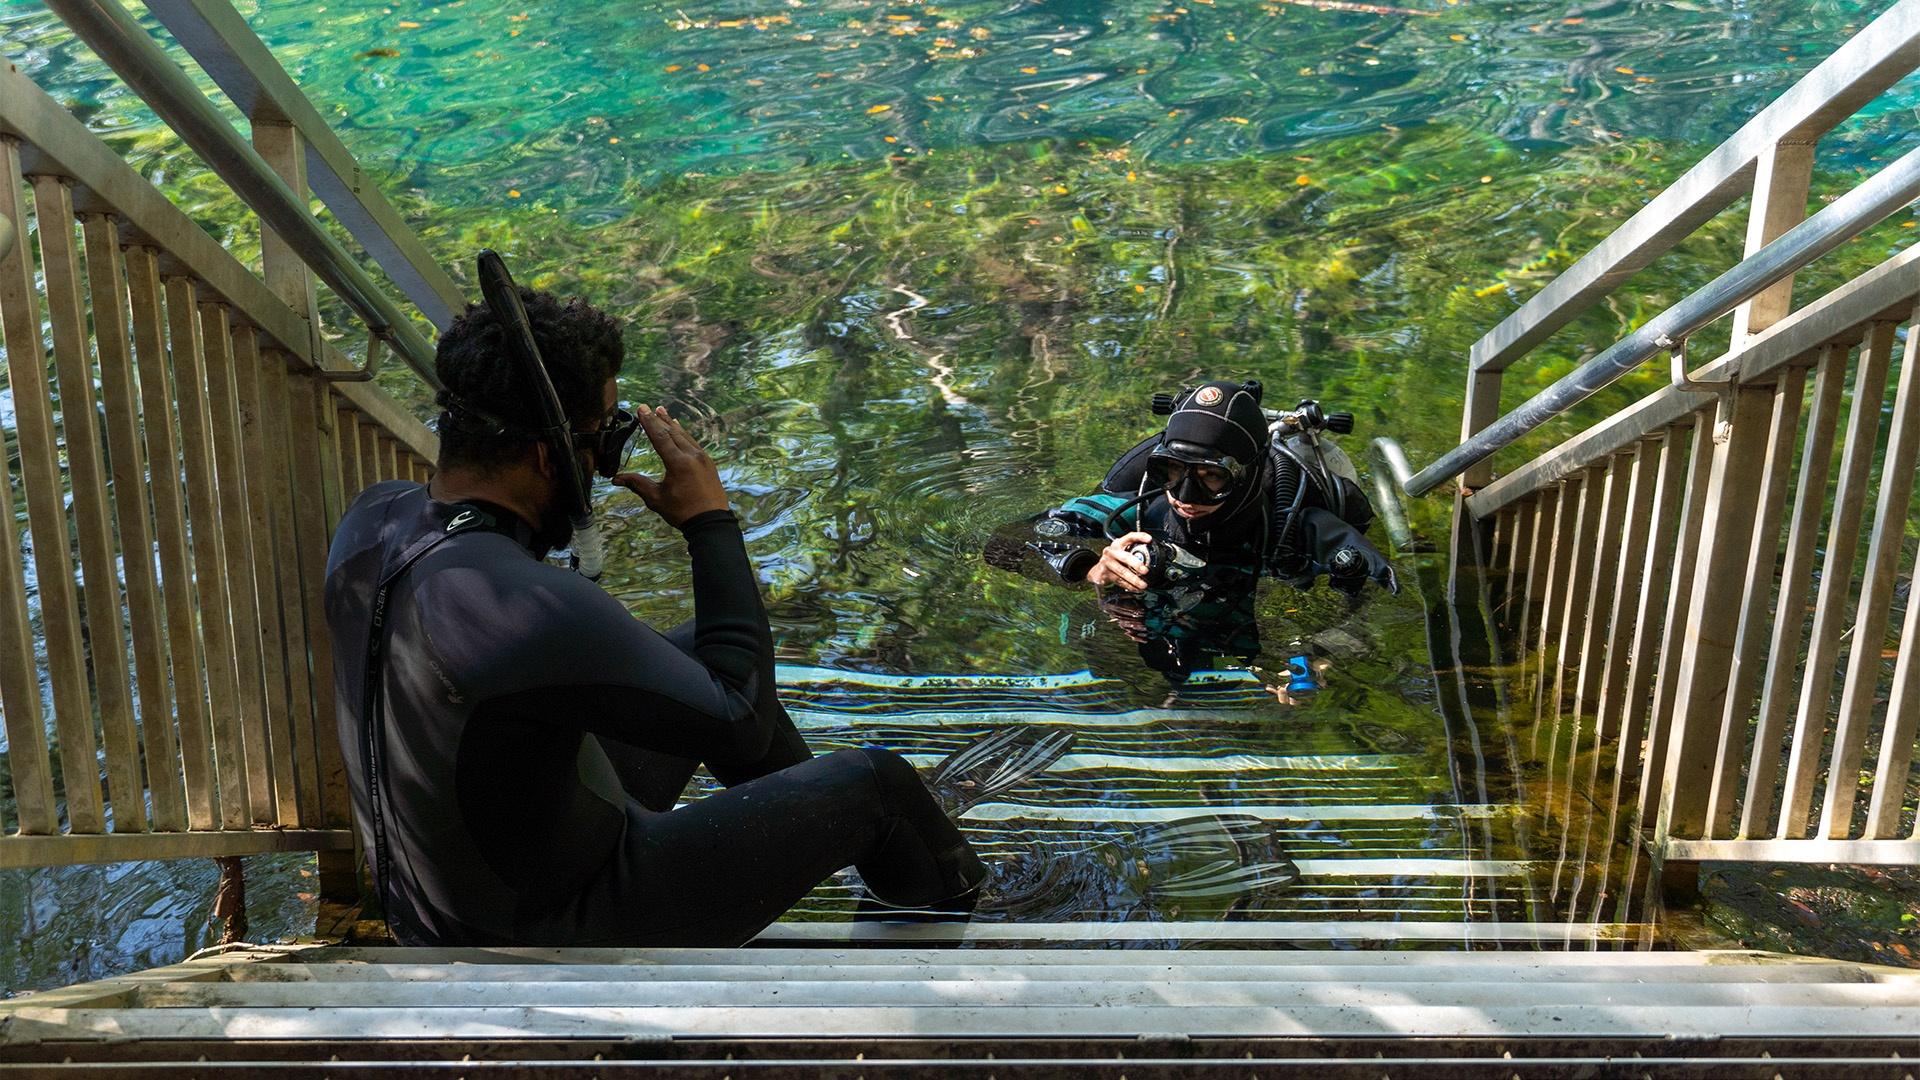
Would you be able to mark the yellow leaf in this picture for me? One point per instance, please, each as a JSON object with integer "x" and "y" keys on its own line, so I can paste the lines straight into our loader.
{"x": 892, "y": 138}
{"x": 1456, "y": 37}
{"x": 936, "y": 97}
{"x": 701, "y": 67}
{"x": 407, "y": 25}
{"x": 671, "y": 68}
{"x": 522, "y": 17}
{"x": 1029, "y": 71}
{"x": 1486, "y": 179}
{"x": 513, "y": 193}
{"x": 878, "y": 109}
{"x": 1645, "y": 78}
{"x": 613, "y": 138}
{"x": 1131, "y": 178}
{"x": 1236, "y": 119}
{"x": 1303, "y": 179}
{"x": 1059, "y": 189}
{"x": 1624, "y": 70}
{"x": 1139, "y": 288}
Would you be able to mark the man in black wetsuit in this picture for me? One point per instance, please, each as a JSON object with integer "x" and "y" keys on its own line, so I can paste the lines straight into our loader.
{"x": 527, "y": 738}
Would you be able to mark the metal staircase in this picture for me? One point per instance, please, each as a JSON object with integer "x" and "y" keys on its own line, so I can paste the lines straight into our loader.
{"x": 1132, "y": 964}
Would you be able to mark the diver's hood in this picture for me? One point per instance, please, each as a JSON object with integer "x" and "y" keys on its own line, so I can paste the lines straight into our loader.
{"x": 1224, "y": 417}
{"x": 1215, "y": 423}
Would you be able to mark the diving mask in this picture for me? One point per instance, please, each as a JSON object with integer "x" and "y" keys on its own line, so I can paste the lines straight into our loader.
{"x": 1195, "y": 475}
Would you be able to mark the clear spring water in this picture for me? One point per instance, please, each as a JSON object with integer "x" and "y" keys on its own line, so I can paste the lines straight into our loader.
{"x": 914, "y": 271}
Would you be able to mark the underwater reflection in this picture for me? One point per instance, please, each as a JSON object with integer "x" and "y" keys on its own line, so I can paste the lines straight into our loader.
{"x": 1198, "y": 868}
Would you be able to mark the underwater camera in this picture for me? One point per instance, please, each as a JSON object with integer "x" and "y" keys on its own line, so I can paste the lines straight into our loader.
{"x": 1164, "y": 563}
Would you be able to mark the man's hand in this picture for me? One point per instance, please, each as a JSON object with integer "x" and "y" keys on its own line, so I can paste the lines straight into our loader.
{"x": 1117, "y": 565}
{"x": 689, "y": 483}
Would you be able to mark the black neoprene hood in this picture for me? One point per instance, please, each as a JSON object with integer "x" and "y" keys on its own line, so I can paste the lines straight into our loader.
{"x": 1223, "y": 416}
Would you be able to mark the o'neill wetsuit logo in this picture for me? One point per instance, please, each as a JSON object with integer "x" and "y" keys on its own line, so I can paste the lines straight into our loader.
{"x": 460, "y": 520}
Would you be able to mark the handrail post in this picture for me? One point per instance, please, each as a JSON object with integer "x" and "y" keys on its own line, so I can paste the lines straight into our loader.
{"x": 284, "y": 149}
{"x": 1781, "y": 180}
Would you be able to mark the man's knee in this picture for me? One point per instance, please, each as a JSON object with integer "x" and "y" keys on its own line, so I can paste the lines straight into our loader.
{"x": 897, "y": 778}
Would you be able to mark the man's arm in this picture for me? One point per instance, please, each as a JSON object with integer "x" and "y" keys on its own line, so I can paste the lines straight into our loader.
{"x": 634, "y": 685}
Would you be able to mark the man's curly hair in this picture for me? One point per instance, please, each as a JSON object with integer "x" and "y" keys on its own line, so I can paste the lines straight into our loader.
{"x": 581, "y": 347}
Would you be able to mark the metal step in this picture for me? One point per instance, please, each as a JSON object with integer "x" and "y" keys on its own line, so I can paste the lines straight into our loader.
{"x": 831, "y": 1004}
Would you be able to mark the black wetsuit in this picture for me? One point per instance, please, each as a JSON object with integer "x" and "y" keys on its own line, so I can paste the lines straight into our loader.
{"x": 537, "y": 736}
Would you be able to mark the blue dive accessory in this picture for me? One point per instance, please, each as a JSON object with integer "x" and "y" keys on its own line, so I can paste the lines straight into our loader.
{"x": 1300, "y": 676}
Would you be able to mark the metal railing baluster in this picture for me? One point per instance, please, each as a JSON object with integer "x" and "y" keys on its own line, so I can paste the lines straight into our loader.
{"x": 1796, "y": 579}
{"x": 164, "y": 461}
{"x": 259, "y": 438}
{"x": 1872, "y": 618}
{"x": 239, "y": 560}
{"x": 1783, "y": 431}
{"x": 209, "y": 563}
{"x": 1676, "y": 631}
{"x": 41, "y": 476}
{"x": 1836, "y": 581}
{"x": 146, "y": 613}
{"x": 1739, "y": 439}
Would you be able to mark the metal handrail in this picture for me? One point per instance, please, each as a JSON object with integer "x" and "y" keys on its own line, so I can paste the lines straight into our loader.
{"x": 1866, "y": 66}
{"x": 114, "y": 35}
{"x": 1853, "y": 213}
{"x": 226, "y": 48}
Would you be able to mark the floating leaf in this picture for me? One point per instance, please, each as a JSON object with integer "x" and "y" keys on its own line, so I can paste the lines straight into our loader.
{"x": 372, "y": 53}
{"x": 1624, "y": 70}
{"x": 406, "y": 24}
{"x": 671, "y": 68}
{"x": 878, "y": 109}
{"x": 1029, "y": 71}
{"x": 513, "y": 193}
{"x": 1303, "y": 179}
{"x": 1236, "y": 119}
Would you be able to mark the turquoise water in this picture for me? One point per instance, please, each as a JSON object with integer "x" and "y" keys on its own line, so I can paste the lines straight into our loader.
{"x": 914, "y": 271}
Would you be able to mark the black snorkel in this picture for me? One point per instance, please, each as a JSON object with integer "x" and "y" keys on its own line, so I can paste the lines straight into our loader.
{"x": 503, "y": 297}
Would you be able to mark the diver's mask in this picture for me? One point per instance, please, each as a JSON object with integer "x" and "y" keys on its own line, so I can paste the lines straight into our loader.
{"x": 609, "y": 444}
{"x": 1195, "y": 475}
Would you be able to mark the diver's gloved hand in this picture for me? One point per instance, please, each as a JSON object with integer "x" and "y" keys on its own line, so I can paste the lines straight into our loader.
{"x": 689, "y": 483}
{"x": 1119, "y": 565}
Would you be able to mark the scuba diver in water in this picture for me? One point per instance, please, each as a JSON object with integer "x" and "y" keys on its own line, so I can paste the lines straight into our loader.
{"x": 516, "y": 741}
{"x": 1193, "y": 516}
{"x": 1227, "y": 482}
